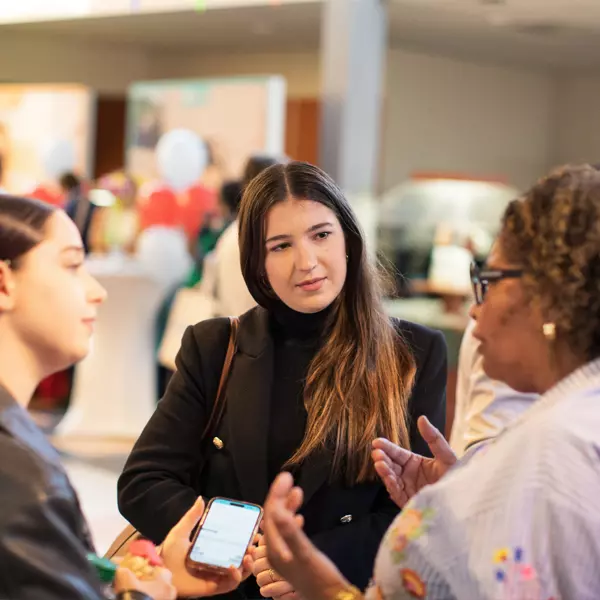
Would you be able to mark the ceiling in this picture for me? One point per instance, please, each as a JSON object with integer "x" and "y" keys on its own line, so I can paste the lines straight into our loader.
{"x": 542, "y": 33}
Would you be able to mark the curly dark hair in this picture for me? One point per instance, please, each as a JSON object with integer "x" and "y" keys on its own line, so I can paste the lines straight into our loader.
{"x": 553, "y": 231}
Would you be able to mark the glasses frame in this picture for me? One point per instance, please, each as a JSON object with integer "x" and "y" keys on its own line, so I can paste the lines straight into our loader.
{"x": 481, "y": 278}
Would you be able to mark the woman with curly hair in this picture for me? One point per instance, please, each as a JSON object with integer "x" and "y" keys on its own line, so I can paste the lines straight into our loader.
{"x": 517, "y": 517}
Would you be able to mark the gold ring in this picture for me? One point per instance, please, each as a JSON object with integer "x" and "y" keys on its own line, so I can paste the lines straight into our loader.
{"x": 272, "y": 576}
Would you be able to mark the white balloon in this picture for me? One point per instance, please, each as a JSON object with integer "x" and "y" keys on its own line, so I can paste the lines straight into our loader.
{"x": 182, "y": 157}
{"x": 163, "y": 253}
{"x": 58, "y": 157}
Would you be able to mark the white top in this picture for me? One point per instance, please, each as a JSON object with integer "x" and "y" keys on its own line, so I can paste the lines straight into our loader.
{"x": 483, "y": 406}
{"x": 233, "y": 297}
{"x": 516, "y": 519}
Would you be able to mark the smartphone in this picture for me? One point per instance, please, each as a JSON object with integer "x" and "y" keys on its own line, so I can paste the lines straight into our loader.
{"x": 224, "y": 534}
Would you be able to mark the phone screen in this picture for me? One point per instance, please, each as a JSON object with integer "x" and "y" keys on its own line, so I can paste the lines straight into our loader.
{"x": 226, "y": 533}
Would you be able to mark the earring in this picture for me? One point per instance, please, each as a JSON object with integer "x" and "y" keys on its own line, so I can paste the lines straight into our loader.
{"x": 549, "y": 330}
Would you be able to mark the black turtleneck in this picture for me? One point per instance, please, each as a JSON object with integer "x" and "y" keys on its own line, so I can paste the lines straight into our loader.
{"x": 297, "y": 338}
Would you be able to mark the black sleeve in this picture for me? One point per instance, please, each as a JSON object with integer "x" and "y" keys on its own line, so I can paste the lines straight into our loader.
{"x": 41, "y": 554}
{"x": 353, "y": 547}
{"x": 156, "y": 487}
{"x": 429, "y": 393}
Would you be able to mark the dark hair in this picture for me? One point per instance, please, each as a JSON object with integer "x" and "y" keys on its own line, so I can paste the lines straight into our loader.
{"x": 231, "y": 195}
{"x": 69, "y": 182}
{"x": 359, "y": 382}
{"x": 22, "y": 226}
{"x": 255, "y": 165}
{"x": 553, "y": 233}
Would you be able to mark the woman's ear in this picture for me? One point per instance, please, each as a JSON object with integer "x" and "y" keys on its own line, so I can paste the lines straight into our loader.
{"x": 7, "y": 287}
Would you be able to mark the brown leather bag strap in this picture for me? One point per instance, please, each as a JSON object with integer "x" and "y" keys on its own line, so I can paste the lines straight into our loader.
{"x": 219, "y": 405}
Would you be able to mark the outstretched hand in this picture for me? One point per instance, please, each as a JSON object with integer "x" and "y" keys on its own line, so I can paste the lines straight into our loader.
{"x": 403, "y": 472}
{"x": 290, "y": 552}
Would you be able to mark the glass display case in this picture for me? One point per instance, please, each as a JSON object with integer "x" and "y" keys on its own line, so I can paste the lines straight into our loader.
{"x": 424, "y": 214}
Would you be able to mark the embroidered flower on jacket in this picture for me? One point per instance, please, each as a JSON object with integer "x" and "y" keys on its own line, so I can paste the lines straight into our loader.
{"x": 413, "y": 584}
{"x": 410, "y": 525}
{"x": 516, "y": 580}
{"x": 501, "y": 555}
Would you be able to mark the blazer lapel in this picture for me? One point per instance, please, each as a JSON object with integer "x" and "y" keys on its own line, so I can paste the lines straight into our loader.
{"x": 314, "y": 473}
{"x": 248, "y": 399}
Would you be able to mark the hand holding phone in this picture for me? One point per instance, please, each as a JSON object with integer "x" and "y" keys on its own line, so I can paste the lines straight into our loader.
{"x": 198, "y": 582}
{"x": 224, "y": 535}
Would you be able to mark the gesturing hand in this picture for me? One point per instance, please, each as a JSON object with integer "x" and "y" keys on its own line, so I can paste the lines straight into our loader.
{"x": 403, "y": 472}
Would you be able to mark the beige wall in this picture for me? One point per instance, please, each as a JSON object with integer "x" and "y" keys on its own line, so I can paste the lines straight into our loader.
{"x": 109, "y": 68}
{"x": 300, "y": 70}
{"x": 445, "y": 114}
{"x": 577, "y": 127}
{"x": 440, "y": 114}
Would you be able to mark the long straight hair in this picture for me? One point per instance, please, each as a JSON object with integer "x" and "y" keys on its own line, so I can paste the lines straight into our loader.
{"x": 359, "y": 382}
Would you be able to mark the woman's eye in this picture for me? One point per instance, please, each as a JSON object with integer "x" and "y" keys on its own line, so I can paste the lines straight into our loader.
{"x": 323, "y": 235}
{"x": 280, "y": 247}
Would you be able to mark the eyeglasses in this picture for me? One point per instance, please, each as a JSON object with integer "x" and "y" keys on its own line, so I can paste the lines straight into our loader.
{"x": 481, "y": 278}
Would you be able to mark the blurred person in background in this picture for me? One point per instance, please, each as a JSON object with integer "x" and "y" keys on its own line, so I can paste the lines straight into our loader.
{"x": 116, "y": 227}
{"x": 77, "y": 205}
{"x": 48, "y": 305}
{"x": 517, "y": 517}
{"x": 215, "y": 225}
{"x": 233, "y": 297}
{"x": 320, "y": 371}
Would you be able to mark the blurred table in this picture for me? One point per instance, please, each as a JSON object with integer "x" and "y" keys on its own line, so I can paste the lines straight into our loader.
{"x": 114, "y": 388}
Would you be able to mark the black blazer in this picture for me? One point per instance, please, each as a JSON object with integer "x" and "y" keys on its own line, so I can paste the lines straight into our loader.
{"x": 162, "y": 479}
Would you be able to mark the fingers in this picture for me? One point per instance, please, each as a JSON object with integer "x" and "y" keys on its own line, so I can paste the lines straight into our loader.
{"x": 410, "y": 475}
{"x": 436, "y": 441}
{"x": 273, "y": 590}
{"x": 125, "y": 580}
{"x": 393, "y": 452}
{"x": 295, "y": 499}
{"x": 163, "y": 574}
{"x": 247, "y": 567}
{"x": 290, "y": 533}
{"x": 276, "y": 503}
{"x": 187, "y": 523}
{"x": 235, "y": 575}
{"x": 268, "y": 577}
{"x": 260, "y": 566}
{"x": 393, "y": 484}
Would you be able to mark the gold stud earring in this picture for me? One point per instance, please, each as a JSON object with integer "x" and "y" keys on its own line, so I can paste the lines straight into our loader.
{"x": 549, "y": 330}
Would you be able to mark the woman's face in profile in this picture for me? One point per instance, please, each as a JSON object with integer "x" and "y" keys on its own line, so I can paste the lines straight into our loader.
{"x": 53, "y": 301}
{"x": 510, "y": 330}
{"x": 305, "y": 251}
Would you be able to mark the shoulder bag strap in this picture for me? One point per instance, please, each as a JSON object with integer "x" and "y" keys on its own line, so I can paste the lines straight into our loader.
{"x": 219, "y": 405}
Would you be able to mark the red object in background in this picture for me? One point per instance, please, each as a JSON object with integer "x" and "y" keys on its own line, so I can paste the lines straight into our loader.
{"x": 198, "y": 202}
{"x": 160, "y": 208}
{"x": 46, "y": 194}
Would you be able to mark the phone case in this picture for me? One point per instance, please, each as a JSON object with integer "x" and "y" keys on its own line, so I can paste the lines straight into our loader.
{"x": 194, "y": 566}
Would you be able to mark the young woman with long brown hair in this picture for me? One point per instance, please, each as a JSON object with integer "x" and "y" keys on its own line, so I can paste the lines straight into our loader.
{"x": 320, "y": 372}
